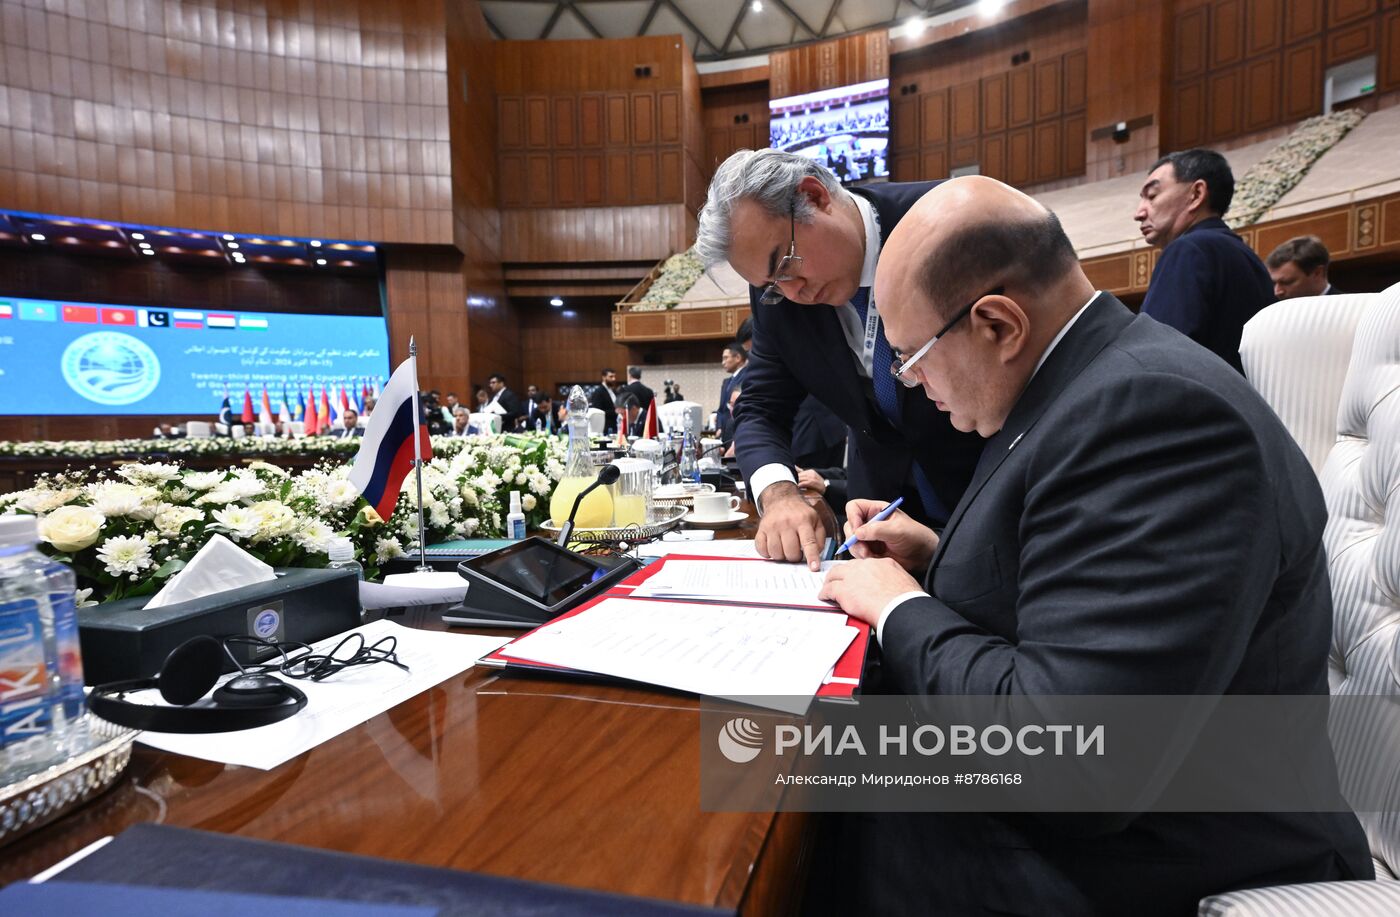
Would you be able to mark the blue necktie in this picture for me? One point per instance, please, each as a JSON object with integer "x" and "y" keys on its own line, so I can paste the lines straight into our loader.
{"x": 887, "y": 398}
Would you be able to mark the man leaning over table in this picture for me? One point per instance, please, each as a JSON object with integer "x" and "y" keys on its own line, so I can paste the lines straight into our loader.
{"x": 1140, "y": 523}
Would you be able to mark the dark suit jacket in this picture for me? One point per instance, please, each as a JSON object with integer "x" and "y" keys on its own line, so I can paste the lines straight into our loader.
{"x": 724, "y": 420}
{"x": 818, "y": 436}
{"x": 600, "y": 399}
{"x": 644, "y": 394}
{"x": 342, "y": 433}
{"x": 1206, "y": 285}
{"x": 543, "y": 418}
{"x": 1142, "y": 524}
{"x": 510, "y": 404}
{"x": 800, "y": 350}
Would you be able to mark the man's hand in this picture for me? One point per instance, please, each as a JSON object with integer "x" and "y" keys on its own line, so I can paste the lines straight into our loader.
{"x": 790, "y": 530}
{"x": 899, "y": 537}
{"x": 809, "y": 479}
{"x": 864, "y": 587}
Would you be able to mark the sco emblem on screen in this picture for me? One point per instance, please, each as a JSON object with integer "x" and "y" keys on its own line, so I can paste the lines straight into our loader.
{"x": 108, "y": 367}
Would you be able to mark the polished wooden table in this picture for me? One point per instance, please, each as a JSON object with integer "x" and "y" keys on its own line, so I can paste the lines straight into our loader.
{"x": 542, "y": 779}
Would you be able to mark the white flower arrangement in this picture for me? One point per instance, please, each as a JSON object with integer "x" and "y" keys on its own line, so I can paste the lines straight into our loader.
{"x": 125, "y": 532}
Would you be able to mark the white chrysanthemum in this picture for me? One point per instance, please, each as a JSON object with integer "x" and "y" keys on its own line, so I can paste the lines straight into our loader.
{"x": 113, "y": 498}
{"x": 40, "y": 500}
{"x": 83, "y": 598}
{"x": 268, "y": 467}
{"x": 340, "y": 493}
{"x": 387, "y": 549}
{"x": 170, "y": 518}
{"x": 274, "y": 519}
{"x": 239, "y": 522}
{"x": 124, "y": 554}
{"x": 528, "y": 502}
{"x": 471, "y": 526}
{"x": 202, "y": 480}
{"x": 314, "y": 535}
{"x": 437, "y": 516}
{"x": 153, "y": 473}
{"x": 469, "y": 495}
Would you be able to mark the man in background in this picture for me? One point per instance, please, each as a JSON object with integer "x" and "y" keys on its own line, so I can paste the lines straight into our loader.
{"x": 1298, "y": 267}
{"x": 604, "y": 398}
{"x": 503, "y": 401}
{"x": 542, "y": 417}
{"x": 1207, "y": 282}
{"x": 527, "y": 407}
{"x": 349, "y": 425}
{"x": 644, "y": 395}
{"x": 733, "y": 359}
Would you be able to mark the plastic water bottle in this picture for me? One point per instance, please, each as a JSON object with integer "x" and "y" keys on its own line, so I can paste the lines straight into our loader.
{"x": 43, "y": 718}
{"x": 690, "y": 468}
{"x": 342, "y": 553}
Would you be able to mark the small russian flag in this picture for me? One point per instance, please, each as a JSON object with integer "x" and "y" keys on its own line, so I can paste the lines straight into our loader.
{"x": 6, "y": 310}
{"x": 386, "y": 452}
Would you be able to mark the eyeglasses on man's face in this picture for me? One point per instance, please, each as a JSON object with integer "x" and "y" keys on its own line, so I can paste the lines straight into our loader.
{"x": 788, "y": 267}
{"x": 902, "y": 368}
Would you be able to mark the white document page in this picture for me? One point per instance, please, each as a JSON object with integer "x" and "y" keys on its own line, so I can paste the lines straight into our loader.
{"x": 738, "y": 581}
{"x": 340, "y": 702}
{"x": 776, "y": 657}
{"x": 729, "y": 547}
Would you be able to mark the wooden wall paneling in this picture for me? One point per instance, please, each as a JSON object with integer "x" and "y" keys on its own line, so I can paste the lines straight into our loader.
{"x": 1189, "y": 42}
{"x": 671, "y": 175}
{"x": 1076, "y": 80}
{"x": 1223, "y": 106}
{"x": 537, "y": 179}
{"x": 1226, "y": 33}
{"x": 1188, "y": 116}
{"x": 643, "y": 118}
{"x": 1302, "y": 80}
{"x": 994, "y": 103}
{"x": 1352, "y": 42}
{"x": 905, "y": 167}
{"x": 1301, "y": 19}
{"x": 591, "y": 185}
{"x": 1048, "y": 91}
{"x": 964, "y": 102}
{"x": 1388, "y": 66}
{"x": 566, "y": 179}
{"x": 904, "y": 126}
{"x": 668, "y": 117}
{"x": 964, "y": 153}
{"x": 1018, "y": 156}
{"x": 591, "y": 120}
{"x": 933, "y": 164}
{"x": 745, "y": 137}
{"x": 1261, "y": 93}
{"x": 617, "y": 186}
{"x": 1341, "y": 12}
{"x": 1047, "y": 151}
{"x": 1075, "y": 137}
{"x": 1020, "y": 100}
{"x": 933, "y": 118}
{"x": 1263, "y": 23}
{"x": 511, "y": 115}
{"x": 717, "y": 146}
{"x": 537, "y": 122}
{"x": 618, "y": 111}
{"x": 644, "y": 176}
{"x": 993, "y": 159}
{"x": 565, "y": 122}
{"x": 512, "y": 179}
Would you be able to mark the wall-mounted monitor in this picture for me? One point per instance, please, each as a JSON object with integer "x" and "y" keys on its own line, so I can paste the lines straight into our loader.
{"x": 846, "y": 129}
{"x": 66, "y": 357}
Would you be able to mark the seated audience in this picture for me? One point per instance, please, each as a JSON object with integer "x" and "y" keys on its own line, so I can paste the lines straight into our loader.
{"x": 1298, "y": 267}
{"x": 541, "y": 419}
{"x": 349, "y": 425}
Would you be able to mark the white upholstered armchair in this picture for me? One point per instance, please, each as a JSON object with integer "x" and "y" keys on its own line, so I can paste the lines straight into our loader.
{"x": 1330, "y": 367}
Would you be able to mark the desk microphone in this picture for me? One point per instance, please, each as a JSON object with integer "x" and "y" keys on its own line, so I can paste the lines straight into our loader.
{"x": 608, "y": 474}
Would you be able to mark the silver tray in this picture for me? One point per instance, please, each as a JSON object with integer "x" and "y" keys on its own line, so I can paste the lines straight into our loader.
{"x": 49, "y": 794}
{"x": 632, "y": 534}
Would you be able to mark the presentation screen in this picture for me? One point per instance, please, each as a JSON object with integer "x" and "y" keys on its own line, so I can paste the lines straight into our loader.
{"x": 59, "y": 357}
{"x": 845, "y": 129}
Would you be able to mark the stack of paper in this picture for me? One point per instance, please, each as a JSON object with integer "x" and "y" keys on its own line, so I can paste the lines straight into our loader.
{"x": 775, "y": 657}
{"x": 736, "y": 581}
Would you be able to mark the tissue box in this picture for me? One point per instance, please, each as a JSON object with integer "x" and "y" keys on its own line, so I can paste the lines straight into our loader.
{"x": 123, "y": 639}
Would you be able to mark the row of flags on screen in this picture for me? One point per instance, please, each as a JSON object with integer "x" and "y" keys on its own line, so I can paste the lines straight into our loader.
{"x": 129, "y": 317}
{"x": 320, "y": 412}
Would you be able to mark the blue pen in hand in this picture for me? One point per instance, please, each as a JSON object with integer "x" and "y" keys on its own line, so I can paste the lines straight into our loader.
{"x": 881, "y": 516}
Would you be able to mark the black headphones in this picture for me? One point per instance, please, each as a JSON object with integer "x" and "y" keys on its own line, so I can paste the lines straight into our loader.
{"x": 246, "y": 701}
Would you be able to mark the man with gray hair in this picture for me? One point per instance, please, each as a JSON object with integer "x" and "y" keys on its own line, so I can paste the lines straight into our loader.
{"x": 808, "y": 248}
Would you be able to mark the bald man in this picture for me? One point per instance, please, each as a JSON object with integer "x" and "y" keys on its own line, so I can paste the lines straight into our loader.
{"x": 1140, "y": 524}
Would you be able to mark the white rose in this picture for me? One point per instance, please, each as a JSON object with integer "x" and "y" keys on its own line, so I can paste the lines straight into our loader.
{"x": 71, "y": 528}
{"x": 528, "y": 502}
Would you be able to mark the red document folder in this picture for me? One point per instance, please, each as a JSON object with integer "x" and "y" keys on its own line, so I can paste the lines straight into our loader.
{"x": 842, "y": 685}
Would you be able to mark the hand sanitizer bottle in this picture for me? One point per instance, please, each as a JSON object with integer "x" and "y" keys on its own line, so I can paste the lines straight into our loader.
{"x": 515, "y": 519}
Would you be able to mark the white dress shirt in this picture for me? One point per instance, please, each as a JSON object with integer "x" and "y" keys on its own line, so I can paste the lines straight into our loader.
{"x": 851, "y": 326}
{"x": 903, "y": 597}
